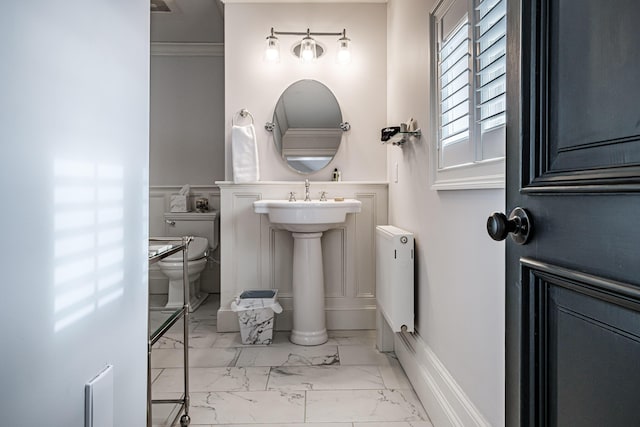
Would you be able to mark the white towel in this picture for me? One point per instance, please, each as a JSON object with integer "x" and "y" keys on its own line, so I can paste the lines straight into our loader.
{"x": 244, "y": 152}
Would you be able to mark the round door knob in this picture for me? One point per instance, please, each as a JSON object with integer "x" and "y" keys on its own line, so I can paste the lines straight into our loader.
{"x": 517, "y": 225}
{"x": 499, "y": 227}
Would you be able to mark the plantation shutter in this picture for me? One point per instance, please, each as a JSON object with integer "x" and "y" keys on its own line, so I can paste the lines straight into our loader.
{"x": 491, "y": 64}
{"x": 454, "y": 75}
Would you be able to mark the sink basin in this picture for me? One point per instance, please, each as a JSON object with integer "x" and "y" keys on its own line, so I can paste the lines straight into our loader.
{"x": 307, "y": 221}
{"x": 307, "y": 217}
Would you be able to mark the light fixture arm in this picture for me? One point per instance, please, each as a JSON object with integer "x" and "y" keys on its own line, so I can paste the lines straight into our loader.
{"x": 272, "y": 36}
{"x": 306, "y": 33}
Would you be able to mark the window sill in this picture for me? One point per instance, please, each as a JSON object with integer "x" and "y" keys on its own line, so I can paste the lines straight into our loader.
{"x": 475, "y": 176}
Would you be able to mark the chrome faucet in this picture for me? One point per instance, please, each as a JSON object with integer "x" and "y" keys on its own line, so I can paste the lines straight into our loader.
{"x": 307, "y": 197}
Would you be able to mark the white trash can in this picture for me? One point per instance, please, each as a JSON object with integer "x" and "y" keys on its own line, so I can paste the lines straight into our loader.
{"x": 256, "y": 310}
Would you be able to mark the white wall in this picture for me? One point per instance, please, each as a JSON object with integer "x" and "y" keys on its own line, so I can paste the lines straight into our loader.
{"x": 187, "y": 118}
{"x": 74, "y": 120}
{"x": 187, "y": 95}
{"x": 460, "y": 270}
{"x": 359, "y": 87}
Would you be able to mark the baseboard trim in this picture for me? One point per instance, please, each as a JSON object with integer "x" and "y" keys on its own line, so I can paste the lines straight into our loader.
{"x": 442, "y": 397}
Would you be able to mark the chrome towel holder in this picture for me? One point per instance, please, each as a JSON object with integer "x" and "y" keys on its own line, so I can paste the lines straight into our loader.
{"x": 243, "y": 113}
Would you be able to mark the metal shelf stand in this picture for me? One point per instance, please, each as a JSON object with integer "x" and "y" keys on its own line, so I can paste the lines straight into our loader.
{"x": 156, "y": 333}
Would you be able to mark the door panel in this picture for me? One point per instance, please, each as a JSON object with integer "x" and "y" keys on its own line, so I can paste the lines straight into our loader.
{"x": 587, "y": 113}
{"x": 573, "y": 162}
{"x": 584, "y": 123}
{"x": 589, "y": 360}
{"x": 586, "y": 347}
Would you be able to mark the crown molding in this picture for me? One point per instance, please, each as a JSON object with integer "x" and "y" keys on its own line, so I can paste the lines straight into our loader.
{"x": 305, "y": 1}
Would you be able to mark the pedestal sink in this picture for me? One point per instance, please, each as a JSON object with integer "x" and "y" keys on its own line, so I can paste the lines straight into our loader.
{"x": 307, "y": 221}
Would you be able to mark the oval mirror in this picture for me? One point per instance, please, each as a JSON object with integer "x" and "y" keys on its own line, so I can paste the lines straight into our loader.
{"x": 306, "y": 126}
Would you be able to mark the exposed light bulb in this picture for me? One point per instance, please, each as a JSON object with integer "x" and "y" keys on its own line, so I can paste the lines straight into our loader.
{"x": 344, "y": 56}
{"x": 272, "y": 54}
{"x": 307, "y": 55}
{"x": 307, "y": 49}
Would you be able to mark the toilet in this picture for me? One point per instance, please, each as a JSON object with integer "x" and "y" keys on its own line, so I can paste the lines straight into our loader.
{"x": 203, "y": 227}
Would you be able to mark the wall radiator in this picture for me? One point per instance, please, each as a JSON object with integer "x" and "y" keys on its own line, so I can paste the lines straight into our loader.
{"x": 394, "y": 276}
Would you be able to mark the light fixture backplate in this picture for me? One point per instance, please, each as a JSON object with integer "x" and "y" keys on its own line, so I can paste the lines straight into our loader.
{"x": 320, "y": 49}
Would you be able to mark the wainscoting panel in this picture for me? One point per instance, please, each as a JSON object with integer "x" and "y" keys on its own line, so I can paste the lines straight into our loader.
{"x": 334, "y": 259}
{"x": 281, "y": 254}
{"x": 365, "y": 248}
{"x": 245, "y": 241}
{"x": 256, "y": 255}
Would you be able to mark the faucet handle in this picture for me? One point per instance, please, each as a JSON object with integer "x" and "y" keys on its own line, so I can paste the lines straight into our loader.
{"x": 292, "y": 196}
{"x": 323, "y": 196}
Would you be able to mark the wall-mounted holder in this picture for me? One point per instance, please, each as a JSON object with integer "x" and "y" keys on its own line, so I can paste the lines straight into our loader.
{"x": 397, "y": 135}
{"x": 242, "y": 114}
{"x": 345, "y": 126}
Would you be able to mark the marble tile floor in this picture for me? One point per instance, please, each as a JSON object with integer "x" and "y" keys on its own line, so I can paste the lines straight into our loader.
{"x": 343, "y": 383}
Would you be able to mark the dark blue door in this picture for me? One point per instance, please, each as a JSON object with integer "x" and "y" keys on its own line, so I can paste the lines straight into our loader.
{"x": 573, "y": 163}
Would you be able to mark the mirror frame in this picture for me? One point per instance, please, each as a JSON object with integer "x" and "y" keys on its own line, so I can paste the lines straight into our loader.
{"x": 271, "y": 126}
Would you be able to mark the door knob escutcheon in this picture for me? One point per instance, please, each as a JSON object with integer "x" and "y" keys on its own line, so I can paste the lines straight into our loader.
{"x": 518, "y": 225}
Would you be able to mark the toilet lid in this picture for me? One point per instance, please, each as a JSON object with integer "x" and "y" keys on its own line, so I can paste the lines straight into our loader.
{"x": 197, "y": 247}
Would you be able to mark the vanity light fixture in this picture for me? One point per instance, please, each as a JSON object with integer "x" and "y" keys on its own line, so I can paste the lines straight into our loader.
{"x": 307, "y": 49}
{"x": 344, "y": 49}
{"x": 272, "y": 51}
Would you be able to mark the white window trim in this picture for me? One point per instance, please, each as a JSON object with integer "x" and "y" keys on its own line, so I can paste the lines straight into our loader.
{"x": 484, "y": 174}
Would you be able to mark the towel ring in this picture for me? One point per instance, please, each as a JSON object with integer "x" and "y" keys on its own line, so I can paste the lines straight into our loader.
{"x": 243, "y": 115}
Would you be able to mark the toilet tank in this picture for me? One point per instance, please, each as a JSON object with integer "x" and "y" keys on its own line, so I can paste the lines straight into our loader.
{"x": 199, "y": 224}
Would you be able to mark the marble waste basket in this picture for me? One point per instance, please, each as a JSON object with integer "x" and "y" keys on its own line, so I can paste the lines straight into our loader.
{"x": 256, "y": 311}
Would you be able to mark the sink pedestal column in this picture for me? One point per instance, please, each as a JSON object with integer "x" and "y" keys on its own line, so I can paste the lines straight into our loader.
{"x": 309, "y": 327}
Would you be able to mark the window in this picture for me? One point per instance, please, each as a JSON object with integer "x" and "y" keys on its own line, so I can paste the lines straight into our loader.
{"x": 469, "y": 54}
